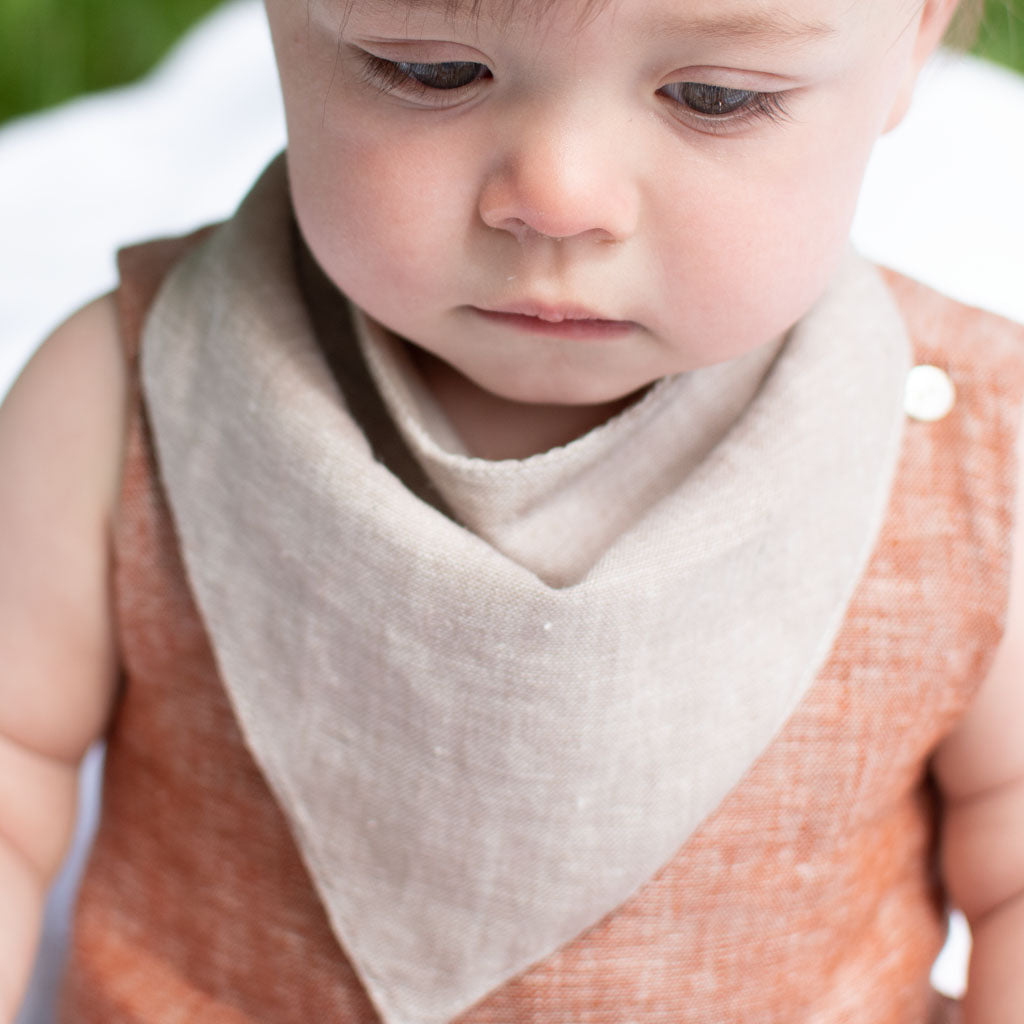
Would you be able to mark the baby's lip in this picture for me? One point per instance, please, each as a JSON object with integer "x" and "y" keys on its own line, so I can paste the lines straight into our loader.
{"x": 549, "y": 313}
{"x": 566, "y": 322}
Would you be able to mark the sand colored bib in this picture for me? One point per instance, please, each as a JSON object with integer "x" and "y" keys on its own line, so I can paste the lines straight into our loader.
{"x": 479, "y": 763}
{"x": 558, "y": 512}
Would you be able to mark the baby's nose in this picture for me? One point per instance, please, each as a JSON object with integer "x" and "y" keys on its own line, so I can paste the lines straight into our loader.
{"x": 561, "y": 183}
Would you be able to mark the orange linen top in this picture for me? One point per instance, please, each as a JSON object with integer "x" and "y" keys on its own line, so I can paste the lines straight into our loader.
{"x": 810, "y": 895}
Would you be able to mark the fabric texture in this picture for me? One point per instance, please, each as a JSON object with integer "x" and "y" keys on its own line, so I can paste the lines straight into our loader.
{"x": 556, "y": 513}
{"x": 487, "y": 739}
{"x": 808, "y": 895}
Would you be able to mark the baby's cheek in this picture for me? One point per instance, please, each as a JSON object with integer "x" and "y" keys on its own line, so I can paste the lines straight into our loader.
{"x": 347, "y": 216}
{"x": 801, "y": 224}
{"x": 399, "y": 206}
{"x": 752, "y": 264}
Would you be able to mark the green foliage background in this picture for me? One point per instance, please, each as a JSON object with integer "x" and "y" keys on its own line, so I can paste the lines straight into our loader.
{"x": 51, "y": 50}
{"x": 1002, "y": 33}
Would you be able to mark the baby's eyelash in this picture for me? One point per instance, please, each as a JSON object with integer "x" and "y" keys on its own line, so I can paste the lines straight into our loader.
{"x": 418, "y": 78}
{"x": 719, "y": 107}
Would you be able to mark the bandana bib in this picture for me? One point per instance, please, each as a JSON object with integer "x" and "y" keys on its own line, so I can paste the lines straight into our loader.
{"x": 486, "y": 731}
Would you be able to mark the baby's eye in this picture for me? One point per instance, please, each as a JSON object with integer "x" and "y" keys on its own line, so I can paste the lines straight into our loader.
{"x": 711, "y": 103}
{"x": 451, "y": 74}
{"x": 710, "y": 100}
{"x": 418, "y": 80}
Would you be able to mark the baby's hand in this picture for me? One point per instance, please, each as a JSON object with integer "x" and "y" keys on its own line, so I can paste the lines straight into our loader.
{"x": 61, "y": 432}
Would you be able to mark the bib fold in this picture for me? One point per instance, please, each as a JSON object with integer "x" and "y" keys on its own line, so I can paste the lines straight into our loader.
{"x": 557, "y": 512}
{"x": 479, "y": 758}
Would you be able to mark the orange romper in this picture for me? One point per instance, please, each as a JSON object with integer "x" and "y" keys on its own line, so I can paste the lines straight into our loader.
{"x": 810, "y": 894}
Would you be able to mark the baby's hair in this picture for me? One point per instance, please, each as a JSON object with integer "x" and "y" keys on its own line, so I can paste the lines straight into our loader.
{"x": 962, "y": 35}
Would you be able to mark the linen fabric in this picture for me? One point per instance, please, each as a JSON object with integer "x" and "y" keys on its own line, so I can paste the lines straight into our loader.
{"x": 557, "y": 512}
{"x": 480, "y": 755}
{"x": 808, "y": 894}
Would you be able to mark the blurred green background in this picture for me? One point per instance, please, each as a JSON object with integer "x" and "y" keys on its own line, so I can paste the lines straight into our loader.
{"x": 51, "y": 50}
{"x": 1002, "y": 33}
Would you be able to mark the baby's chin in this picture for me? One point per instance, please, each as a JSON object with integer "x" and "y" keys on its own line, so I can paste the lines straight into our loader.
{"x": 574, "y": 398}
{"x": 559, "y": 387}
{"x": 499, "y": 421}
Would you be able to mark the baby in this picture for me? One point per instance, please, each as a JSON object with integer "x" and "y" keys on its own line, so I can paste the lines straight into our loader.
{"x": 525, "y": 567}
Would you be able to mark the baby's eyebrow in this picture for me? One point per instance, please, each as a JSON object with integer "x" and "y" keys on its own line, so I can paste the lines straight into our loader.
{"x": 446, "y": 7}
{"x": 764, "y": 25}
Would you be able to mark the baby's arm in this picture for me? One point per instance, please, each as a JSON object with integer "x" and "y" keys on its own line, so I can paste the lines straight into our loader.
{"x": 60, "y": 450}
{"x": 981, "y": 771}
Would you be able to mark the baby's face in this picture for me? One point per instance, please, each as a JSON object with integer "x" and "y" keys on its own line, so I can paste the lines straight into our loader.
{"x": 566, "y": 206}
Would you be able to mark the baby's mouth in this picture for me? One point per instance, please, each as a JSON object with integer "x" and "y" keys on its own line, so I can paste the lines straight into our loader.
{"x": 556, "y": 321}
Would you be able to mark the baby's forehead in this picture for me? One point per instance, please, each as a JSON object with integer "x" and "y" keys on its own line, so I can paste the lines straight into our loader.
{"x": 820, "y": 31}
{"x": 781, "y": 18}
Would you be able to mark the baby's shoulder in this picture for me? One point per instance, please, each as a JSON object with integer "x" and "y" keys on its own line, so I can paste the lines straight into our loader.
{"x": 61, "y": 436}
{"x": 61, "y": 425}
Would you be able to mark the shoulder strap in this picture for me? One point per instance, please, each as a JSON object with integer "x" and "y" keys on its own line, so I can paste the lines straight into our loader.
{"x": 142, "y": 269}
{"x": 982, "y": 340}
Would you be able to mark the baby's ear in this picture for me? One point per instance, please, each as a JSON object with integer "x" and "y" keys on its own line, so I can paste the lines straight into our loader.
{"x": 930, "y": 25}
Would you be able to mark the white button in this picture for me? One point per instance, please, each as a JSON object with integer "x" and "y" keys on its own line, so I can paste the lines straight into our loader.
{"x": 929, "y": 395}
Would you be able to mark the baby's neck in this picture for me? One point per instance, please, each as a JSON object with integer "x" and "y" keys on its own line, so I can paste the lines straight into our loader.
{"x": 492, "y": 427}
